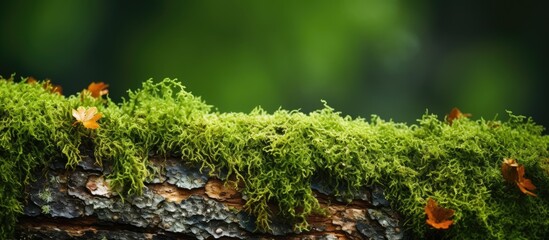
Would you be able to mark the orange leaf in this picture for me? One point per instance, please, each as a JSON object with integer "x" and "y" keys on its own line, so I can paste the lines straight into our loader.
{"x": 31, "y": 80}
{"x": 454, "y": 114}
{"x": 524, "y": 184}
{"x": 98, "y": 89}
{"x": 514, "y": 173}
{"x": 88, "y": 117}
{"x": 438, "y": 217}
{"x": 509, "y": 170}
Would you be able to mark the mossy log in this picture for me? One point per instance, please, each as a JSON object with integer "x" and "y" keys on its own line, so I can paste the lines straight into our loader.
{"x": 166, "y": 163}
{"x": 183, "y": 203}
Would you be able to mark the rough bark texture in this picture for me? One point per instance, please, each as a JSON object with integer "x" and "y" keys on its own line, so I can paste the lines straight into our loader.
{"x": 183, "y": 203}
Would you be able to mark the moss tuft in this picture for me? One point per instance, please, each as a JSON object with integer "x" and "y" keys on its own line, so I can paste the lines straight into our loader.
{"x": 277, "y": 156}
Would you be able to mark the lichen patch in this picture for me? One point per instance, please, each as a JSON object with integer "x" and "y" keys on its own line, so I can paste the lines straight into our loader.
{"x": 98, "y": 186}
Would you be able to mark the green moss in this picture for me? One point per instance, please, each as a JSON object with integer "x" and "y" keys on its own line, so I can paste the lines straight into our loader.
{"x": 278, "y": 155}
{"x": 45, "y": 209}
{"x": 45, "y": 195}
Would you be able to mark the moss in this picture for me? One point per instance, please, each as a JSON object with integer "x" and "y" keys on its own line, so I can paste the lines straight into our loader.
{"x": 45, "y": 195}
{"x": 278, "y": 155}
{"x": 45, "y": 209}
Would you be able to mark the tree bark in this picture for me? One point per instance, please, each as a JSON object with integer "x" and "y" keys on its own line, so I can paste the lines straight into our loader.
{"x": 183, "y": 203}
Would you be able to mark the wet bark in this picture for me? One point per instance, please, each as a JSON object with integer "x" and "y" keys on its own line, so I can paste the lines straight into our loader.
{"x": 183, "y": 203}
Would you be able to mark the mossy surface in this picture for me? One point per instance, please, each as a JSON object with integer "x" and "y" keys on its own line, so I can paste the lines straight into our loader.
{"x": 277, "y": 156}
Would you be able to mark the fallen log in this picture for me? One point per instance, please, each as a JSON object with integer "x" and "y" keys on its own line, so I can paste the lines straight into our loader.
{"x": 163, "y": 165}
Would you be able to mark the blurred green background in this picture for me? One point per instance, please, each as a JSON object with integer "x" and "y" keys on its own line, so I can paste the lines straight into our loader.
{"x": 391, "y": 58}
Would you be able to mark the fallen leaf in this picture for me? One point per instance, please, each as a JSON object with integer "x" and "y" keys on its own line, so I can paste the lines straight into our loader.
{"x": 98, "y": 89}
{"x": 438, "y": 217}
{"x": 525, "y": 185}
{"x": 31, "y": 80}
{"x": 456, "y": 113}
{"x": 514, "y": 173}
{"x": 88, "y": 117}
{"x": 509, "y": 170}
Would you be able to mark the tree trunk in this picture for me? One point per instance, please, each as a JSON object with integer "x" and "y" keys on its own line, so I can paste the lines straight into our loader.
{"x": 183, "y": 203}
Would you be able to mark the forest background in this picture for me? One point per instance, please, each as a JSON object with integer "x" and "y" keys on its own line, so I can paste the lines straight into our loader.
{"x": 395, "y": 59}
